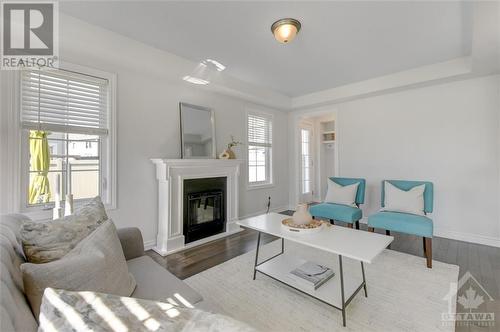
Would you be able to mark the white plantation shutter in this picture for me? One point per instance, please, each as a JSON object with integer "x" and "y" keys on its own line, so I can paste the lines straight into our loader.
{"x": 69, "y": 102}
{"x": 260, "y": 130}
{"x": 260, "y": 133}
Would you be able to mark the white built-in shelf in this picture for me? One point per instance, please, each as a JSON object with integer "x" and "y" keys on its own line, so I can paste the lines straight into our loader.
{"x": 328, "y": 136}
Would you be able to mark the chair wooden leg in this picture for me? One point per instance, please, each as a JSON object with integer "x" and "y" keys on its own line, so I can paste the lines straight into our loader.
{"x": 425, "y": 250}
{"x": 349, "y": 225}
{"x": 428, "y": 250}
{"x": 357, "y": 224}
{"x": 371, "y": 229}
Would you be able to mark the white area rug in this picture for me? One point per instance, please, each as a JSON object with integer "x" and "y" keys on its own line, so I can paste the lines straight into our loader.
{"x": 403, "y": 294}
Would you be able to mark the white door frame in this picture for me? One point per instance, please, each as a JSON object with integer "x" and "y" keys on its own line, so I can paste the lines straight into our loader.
{"x": 309, "y": 196}
{"x": 294, "y": 120}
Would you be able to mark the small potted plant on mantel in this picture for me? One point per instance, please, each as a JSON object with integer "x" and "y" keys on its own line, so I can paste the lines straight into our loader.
{"x": 229, "y": 153}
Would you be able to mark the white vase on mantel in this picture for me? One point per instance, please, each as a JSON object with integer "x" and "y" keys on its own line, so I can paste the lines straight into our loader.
{"x": 302, "y": 215}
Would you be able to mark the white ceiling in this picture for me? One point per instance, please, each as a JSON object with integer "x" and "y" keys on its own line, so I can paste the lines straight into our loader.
{"x": 340, "y": 42}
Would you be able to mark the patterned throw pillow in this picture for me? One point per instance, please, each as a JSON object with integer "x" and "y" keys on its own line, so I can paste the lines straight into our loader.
{"x": 96, "y": 264}
{"x": 45, "y": 242}
{"x": 149, "y": 315}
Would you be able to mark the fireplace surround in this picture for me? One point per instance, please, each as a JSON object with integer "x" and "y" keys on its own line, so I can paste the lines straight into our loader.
{"x": 172, "y": 175}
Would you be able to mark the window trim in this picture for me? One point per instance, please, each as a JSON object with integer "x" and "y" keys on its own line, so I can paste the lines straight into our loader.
{"x": 108, "y": 150}
{"x": 270, "y": 182}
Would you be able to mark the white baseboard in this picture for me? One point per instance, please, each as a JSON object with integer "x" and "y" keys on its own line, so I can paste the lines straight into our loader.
{"x": 467, "y": 237}
{"x": 200, "y": 242}
{"x": 149, "y": 244}
{"x": 276, "y": 209}
{"x": 459, "y": 236}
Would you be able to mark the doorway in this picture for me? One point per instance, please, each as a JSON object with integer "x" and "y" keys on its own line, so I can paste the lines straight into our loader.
{"x": 306, "y": 162}
{"x": 315, "y": 155}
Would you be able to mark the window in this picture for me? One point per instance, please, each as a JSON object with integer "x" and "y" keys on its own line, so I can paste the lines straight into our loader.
{"x": 67, "y": 138}
{"x": 305, "y": 139}
{"x": 259, "y": 148}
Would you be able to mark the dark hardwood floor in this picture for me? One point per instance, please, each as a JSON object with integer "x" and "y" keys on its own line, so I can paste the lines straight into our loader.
{"x": 195, "y": 260}
{"x": 483, "y": 262}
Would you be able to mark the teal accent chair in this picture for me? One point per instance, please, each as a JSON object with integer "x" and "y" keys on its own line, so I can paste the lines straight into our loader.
{"x": 405, "y": 222}
{"x": 338, "y": 212}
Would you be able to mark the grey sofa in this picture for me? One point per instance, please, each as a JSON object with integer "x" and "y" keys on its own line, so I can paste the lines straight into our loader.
{"x": 153, "y": 281}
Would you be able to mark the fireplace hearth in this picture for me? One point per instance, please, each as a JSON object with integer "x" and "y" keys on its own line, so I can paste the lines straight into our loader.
{"x": 204, "y": 208}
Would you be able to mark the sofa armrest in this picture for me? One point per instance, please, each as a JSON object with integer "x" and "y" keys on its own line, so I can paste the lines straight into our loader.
{"x": 131, "y": 241}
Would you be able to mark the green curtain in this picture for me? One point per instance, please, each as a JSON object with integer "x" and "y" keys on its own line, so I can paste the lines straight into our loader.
{"x": 39, "y": 191}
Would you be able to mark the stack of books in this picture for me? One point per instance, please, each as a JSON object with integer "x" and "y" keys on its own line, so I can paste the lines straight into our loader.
{"x": 311, "y": 275}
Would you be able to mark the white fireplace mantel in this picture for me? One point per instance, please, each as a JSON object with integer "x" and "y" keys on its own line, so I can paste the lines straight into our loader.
{"x": 171, "y": 174}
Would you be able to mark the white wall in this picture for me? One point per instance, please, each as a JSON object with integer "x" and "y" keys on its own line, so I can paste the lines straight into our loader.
{"x": 447, "y": 134}
{"x": 148, "y": 121}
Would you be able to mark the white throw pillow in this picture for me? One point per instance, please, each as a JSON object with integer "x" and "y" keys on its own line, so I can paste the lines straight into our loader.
{"x": 96, "y": 264}
{"x": 345, "y": 195}
{"x": 397, "y": 200}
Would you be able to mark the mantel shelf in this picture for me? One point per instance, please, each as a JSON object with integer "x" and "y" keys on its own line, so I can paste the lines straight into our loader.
{"x": 197, "y": 162}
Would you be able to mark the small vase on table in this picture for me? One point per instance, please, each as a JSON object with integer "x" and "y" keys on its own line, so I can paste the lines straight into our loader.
{"x": 302, "y": 215}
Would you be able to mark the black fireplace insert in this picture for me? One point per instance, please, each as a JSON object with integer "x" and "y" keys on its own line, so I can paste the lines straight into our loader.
{"x": 204, "y": 208}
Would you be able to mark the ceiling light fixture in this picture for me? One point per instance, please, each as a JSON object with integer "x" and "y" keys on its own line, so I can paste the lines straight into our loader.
{"x": 285, "y": 30}
{"x": 195, "y": 80}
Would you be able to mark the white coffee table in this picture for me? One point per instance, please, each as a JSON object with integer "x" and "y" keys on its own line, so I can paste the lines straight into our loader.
{"x": 337, "y": 292}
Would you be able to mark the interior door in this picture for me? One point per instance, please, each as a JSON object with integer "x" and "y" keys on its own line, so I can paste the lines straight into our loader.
{"x": 306, "y": 163}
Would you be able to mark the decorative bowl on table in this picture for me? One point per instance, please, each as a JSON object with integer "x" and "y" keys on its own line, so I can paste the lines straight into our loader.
{"x": 311, "y": 227}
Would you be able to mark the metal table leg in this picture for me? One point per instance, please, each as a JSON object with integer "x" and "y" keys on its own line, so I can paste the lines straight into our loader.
{"x": 256, "y": 257}
{"x": 364, "y": 280}
{"x": 342, "y": 289}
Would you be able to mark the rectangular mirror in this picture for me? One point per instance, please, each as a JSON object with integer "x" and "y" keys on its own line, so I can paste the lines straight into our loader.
{"x": 197, "y": 132}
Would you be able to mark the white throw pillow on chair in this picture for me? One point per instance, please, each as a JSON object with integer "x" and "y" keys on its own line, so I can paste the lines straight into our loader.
{"x": 397, "y": 200}
{"x": 345, "y": 195}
